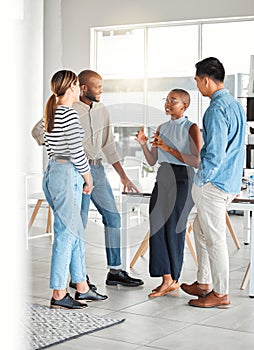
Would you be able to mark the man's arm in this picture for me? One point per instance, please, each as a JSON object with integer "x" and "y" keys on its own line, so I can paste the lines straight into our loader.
{"x": 37, "y": 133}
{"x": 216, "y": 144}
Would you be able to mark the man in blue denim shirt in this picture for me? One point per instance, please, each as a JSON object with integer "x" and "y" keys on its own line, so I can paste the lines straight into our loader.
{"x": 216, "y": 183}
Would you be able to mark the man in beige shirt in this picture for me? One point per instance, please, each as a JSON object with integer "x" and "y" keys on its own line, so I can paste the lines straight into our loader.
{"x": 99, "y": 143}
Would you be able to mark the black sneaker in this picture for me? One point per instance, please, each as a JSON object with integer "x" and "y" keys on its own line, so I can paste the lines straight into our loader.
{"x": 66, "y": 303}
{"x": 90, "y": 285}
{"x": 91, "y": 295}
{"x": 122, "y": 278}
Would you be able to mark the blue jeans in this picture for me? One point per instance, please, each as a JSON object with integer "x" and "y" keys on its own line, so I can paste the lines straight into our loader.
{"x": 62, "y": 185}
{"x": 103, "y": 199}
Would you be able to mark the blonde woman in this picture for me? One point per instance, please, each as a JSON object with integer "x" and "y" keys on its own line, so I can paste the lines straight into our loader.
{"x": 66, "y": 177}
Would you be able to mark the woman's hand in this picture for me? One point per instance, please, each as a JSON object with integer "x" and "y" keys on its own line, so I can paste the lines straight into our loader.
{"x": 158, "y": 142}
{"x": 87, "y": 189}
{"x": 141, "y": 137}
{"x": 88, "y": 186}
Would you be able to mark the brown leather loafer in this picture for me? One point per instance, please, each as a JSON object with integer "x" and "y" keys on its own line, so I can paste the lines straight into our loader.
{"x": 171, "y": 288}
{"x": 211, "y": 300}
{"x": 194, "y": 289}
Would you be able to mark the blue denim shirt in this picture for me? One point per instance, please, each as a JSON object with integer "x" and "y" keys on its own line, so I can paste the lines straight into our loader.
{"x": 223, "y": 151}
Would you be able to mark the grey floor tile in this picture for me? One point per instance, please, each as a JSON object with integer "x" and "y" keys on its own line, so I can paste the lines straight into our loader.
{"x": 40, "y": 268}
{"x": 40, "y": 288}
{"x": 238, "y": 318}
{"x": 162, "y": 323}
{"x": 146, "y": 348}
{"x": 173, "y": 308}
{"x": 122, "y": 297}
{"x": 92, "y": 342}
{"x": 140, "y": 330}
{"x": 206, "y": 338}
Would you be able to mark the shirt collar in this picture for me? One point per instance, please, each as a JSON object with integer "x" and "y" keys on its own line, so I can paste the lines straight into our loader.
{"x": 177, "y": 121}
{"x": 219, "y": 93}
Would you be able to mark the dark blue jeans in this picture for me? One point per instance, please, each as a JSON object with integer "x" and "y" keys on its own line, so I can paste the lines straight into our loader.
{"x": 170, "y": 205}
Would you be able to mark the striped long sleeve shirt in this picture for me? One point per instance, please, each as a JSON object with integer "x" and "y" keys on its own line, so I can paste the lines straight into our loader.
{"x": 66, "y": 138}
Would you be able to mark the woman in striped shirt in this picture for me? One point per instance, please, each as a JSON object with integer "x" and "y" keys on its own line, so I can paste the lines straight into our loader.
{"x": 66, "y": 177}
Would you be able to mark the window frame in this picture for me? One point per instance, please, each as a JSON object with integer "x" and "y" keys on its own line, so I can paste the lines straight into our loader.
{"x": 200, "y": 22}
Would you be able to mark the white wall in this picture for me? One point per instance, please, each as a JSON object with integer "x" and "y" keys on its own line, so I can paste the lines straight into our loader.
{"x": 52, "y": 49}
{"x": 21, "y": 59}
{"x": 32, "y": 27}
{"x": 78, "y": 16}
{"x": 52, "y": 42}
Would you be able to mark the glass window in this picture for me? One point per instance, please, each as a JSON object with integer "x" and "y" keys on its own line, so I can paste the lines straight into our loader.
{"x": 172, "y": 51}
{"x": 141, "y": 64}
{"x": 171, "y": 54}
{"x": 120, "y": 53}
{"x": 229, "y": 43}
{"x": 120, "y": 60}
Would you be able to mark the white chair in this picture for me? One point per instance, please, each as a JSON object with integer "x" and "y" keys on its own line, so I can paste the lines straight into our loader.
{"x": 132, "y": 161}
{"x": 35, "y": 198}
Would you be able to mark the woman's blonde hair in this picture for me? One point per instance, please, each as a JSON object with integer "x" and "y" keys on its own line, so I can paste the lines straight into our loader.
{"x": 60, "y": 82}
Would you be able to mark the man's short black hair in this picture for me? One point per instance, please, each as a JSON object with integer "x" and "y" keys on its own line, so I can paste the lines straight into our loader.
{"x": 210, "y": 67}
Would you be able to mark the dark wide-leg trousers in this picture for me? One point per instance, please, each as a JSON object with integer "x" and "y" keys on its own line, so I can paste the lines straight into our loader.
{"x": 169, "y": 208}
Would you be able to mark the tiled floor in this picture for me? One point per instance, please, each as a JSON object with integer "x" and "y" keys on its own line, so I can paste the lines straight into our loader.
{"x": 164, "y": 323}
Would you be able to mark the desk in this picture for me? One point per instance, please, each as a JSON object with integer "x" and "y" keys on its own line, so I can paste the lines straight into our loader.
{"x": 242, "y": 202}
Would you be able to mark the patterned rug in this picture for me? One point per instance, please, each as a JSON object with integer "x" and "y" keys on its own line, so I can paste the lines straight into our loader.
{"x": 46, "y": 327}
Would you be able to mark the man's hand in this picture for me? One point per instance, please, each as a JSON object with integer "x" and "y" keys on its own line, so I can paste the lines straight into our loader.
{"x": 128, "y": 186}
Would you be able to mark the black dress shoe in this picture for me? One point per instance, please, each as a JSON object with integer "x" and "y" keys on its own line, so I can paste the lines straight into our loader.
{"x": 66, "y": 303}
{"x": 122, "y": 278}
{"x": 91, "y": 295}
{"x": 90, "y": 285}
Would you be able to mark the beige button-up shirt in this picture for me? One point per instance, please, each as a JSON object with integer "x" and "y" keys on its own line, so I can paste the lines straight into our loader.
{"x": 99, "y": 139}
